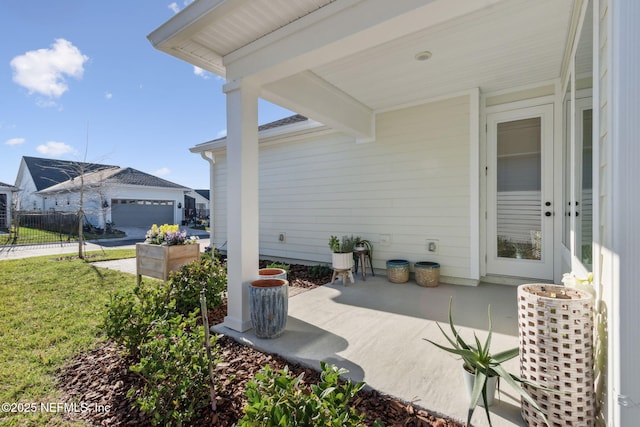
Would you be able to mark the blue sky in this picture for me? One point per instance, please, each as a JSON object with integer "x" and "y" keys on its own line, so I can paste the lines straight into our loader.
{"x": 80, "y": 76}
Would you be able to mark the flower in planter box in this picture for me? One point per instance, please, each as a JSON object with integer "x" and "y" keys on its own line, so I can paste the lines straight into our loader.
{"x": 168, "y": 235}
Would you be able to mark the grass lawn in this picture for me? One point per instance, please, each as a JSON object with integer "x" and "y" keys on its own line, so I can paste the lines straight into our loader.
{"x": 32, "y": 235}
{"x": 49, "y": 311}
{"x": 29, "y": 236}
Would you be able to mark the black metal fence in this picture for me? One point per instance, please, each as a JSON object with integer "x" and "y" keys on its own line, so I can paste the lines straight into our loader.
{"x": 39, "y": 227}
{"x": 195, "y": 217}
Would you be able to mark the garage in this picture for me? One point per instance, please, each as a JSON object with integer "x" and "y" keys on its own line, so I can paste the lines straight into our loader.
{"x": 141, "y": 213}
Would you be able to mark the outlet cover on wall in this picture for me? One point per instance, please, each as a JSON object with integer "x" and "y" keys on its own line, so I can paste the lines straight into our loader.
{"x": 282, "y": 237}
{"x": 432, "y": 246}
{"x": 385, "y": 239}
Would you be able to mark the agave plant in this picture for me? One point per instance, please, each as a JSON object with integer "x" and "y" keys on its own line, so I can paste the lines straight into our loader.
{"x": 479, "y": 361}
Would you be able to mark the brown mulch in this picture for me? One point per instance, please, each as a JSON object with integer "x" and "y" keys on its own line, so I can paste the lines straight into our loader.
{"x": 101, "y": 378}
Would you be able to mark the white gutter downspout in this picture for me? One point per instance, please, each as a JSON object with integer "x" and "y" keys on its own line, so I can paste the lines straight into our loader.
{"x": 212, "y": 161}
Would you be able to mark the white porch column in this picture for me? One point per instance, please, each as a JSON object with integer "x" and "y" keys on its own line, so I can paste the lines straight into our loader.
{"x": 625, "y": 200}
{"x": 242, "y": 200}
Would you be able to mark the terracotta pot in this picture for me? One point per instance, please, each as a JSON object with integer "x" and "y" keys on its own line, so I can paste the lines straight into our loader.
{"x": 272, "y": 273}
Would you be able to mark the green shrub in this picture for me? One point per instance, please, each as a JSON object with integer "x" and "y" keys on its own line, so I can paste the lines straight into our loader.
{"x": 157, "y": 323}
{"x": 174, "y": 365}
{"x": 286, "y": 267}
{"x": 319, "y": 271}
{"x": 187, "y": 282}
{"x": 131, "y": 315}
{"x": 276, "y": 398}
{"x": 210, "y": 253}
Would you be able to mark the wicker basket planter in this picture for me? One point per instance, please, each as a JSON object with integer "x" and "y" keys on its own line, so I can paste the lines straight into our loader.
{"x": 427, "y": 273}
{"x": 268, "y": 306}
{"x": 555, "y": 327}
{"x": 398, "y": 270}
{"x": 159, "y": 261}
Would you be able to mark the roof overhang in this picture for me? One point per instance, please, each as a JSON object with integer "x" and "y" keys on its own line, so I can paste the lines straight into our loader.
{"x": 341, "y": 62}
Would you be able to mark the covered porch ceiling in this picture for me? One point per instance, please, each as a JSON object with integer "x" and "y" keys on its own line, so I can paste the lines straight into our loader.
{"x": 340, "y": 62}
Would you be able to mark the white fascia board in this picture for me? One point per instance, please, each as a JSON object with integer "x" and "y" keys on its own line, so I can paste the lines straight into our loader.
{"x": 312, "y": 96}
{"x": 308, "y": 128}
{"x": 192, "y": 19}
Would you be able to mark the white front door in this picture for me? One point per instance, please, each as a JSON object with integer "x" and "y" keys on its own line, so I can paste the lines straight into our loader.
{"x": 520, "y": 193}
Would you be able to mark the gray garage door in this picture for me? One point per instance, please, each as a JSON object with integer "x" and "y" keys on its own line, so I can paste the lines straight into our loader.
{"x": 141, "y": 213}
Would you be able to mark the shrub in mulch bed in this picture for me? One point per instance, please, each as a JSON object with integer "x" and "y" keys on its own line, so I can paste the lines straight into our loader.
{"x": 102, "y": 378}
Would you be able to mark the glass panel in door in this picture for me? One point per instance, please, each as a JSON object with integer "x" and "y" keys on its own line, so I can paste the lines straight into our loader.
{"x": 518, "y": 186}
{"x": 584, "y": 211}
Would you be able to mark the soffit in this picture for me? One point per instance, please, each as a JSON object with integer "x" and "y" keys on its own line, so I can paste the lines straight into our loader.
{"x": 208, "y": 30}
{"x": 502, "y": 45}
{"x": 253, "y": 21}
{"x": 513, "y": 43}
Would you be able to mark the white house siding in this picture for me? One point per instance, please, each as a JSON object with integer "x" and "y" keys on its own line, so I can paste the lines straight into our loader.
{"x": 25, "y": 197}
{"x": 411, "y": 184}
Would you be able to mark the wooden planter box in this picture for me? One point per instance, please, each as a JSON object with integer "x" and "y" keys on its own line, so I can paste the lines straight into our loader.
{"x": 159, "y": 260}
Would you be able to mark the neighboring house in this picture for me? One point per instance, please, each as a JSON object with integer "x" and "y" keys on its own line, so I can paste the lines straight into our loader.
{"x": 124, "y": 196}
{"x": 505, "y": 130}
{"x": 36, "y": 174}
{"x": 202, "y": 202}
{"x": 6, "y": 198}
{"x": 196, "y": 204}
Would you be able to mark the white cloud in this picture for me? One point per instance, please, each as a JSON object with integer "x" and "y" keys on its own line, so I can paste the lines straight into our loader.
{"x": 47, "y": 103}
{"x": 221, "y": 133}
{"x": 200, "y": 72}
{"x": 162, "y": 172}
{"x": 56, "y": 149}
{"x": 15, "y": 141}
{"x": 43, "y": 71}
{"x": 108, "y": 95}
{"x": 175, "y": 8}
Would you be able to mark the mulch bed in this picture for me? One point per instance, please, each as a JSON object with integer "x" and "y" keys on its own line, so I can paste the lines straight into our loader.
{"x": 102, "y": 377}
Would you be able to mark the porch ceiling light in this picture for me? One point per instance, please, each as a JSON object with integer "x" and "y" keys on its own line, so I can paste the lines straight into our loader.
{"x": 423, "y": 56}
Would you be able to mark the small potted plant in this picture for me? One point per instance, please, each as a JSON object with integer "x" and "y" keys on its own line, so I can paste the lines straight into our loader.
{"x": 484, "y": 367}
{"x": 362, "y": 251}
{"x": 342, "y": 257}
{"x": 362, "y": 245}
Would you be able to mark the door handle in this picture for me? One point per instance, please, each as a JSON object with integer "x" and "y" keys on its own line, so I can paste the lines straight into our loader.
{"x": 547, "y": 213}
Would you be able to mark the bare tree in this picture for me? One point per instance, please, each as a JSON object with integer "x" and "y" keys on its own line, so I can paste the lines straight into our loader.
{"x": 73, "y": 170}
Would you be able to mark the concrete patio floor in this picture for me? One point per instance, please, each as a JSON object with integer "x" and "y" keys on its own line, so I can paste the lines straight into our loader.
{"x": 375, "y": 329}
